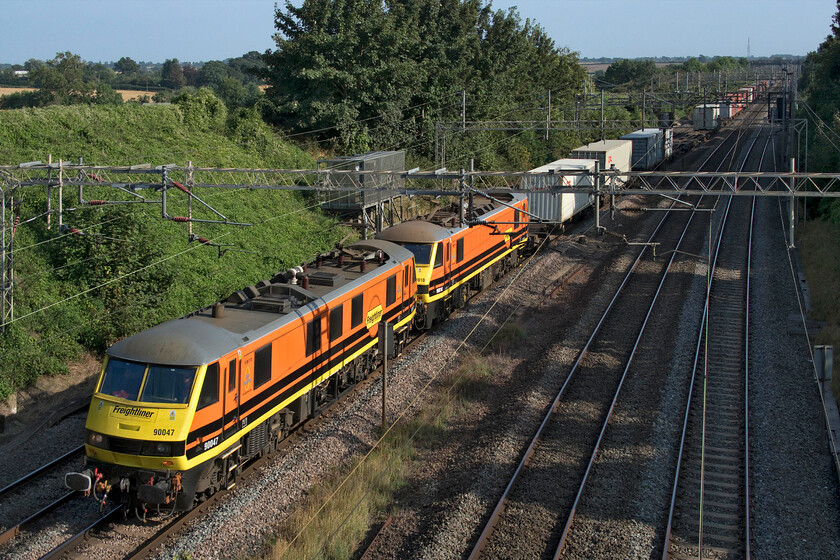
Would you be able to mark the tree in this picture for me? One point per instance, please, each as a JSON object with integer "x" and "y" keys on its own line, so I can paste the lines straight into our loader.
{"x": 212, "y": 73}
{"x": 377, "y": 74}
{"x": 625, "y": 71}
{"x": 172, "y": 75}
{"x": 190, "y": 75}
{"x": 62, "y": 78}
{"x": 125, "y": 65}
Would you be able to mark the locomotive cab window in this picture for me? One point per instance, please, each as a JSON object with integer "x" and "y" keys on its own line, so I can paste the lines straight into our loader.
{"x": 167, "y": 384}
{"x": 422, "y": 252}
{"x": 356, "y": 314}
{"x": 210, "y": 389}
{"x": 262, "y": 365}
{"x": 122, "y": 379}
{"x": 439, "y": 255}
{"x": 391, "y": 290}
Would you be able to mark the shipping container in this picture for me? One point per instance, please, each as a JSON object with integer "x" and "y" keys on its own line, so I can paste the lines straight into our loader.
{"x": 706, "y": 117}
{"x": 608, "y": 153}
{"x": 648, "y": 147}
{"x": 668, "y": 142}
{"x": 358, "y": 200}
{"x": 559, "y": 207}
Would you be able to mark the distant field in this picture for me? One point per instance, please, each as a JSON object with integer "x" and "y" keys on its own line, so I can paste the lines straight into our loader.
{"x": 127, "y": 94}
{"x": 8, "y": 90}
{"x": 592, "y": 67}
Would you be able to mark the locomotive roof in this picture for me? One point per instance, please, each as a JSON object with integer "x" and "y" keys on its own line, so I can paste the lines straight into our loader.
{"x": 434, "y": 228}
{"x": 415, "y": 231}
{"x": 201, "y": 338}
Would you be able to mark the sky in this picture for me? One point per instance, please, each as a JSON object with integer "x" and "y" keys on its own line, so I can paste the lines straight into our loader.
{"x": 201, "y": 30}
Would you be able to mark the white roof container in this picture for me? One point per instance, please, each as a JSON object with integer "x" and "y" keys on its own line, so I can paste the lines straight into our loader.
{"x": 608, "y": 153}
{"x": 706, "y": 116}
{"x": 559, "y": 207}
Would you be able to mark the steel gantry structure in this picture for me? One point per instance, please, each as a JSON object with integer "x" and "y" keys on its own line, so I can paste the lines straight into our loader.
{"x": 148, "y": 185}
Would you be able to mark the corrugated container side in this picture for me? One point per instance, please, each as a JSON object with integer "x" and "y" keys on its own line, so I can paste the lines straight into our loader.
{"x": 560, "y": 207}
{"x": 647, "y": 147}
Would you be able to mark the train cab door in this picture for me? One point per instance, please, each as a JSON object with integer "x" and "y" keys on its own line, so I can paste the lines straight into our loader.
{"x": 447, "y": 263}
{"x": 316, "y": 344}
{"x": 231, "y": 398}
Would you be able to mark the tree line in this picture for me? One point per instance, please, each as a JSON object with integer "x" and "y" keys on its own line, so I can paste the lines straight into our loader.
{"x": 68, "y": 79}
{"x": 373, "y": 74}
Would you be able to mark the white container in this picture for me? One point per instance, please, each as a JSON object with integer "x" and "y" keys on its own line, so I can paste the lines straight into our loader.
{"x": 608, "y": 153}
{"x": 705, "y": 117}
{"x": 554, "y": 206}
{"x": 668, "y": 142}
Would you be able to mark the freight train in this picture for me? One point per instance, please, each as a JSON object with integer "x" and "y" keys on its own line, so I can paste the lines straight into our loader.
{"x": 708, "y": 116}
{"x": 180, "y": 408}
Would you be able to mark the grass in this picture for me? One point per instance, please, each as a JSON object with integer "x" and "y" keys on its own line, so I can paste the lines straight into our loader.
{"x": 133, "y": 268}
{"x": 508, "y": 337}
{"x": 819, "y": 245}
{"x": 339, "y": 511}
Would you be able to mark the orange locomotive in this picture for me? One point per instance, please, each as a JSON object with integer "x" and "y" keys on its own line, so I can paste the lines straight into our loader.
{"x": 452, "y": 258}
{"x": 180, "y": 406}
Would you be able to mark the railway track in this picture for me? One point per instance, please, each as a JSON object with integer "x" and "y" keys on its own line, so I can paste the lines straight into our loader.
{"x": 539, "y": 494}
{"x": 32, "y": 497}
{"x": 85, "y": 540}
{"x": 709, "y": 515}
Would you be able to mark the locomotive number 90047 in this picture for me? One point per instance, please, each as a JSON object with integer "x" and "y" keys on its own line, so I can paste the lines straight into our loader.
{"x": 164, "y": 432}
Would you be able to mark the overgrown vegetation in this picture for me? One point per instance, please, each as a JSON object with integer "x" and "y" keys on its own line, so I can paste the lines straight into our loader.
{"x": 819, "y": 244}
{"x": 131, "y": 269}
{"x": 820, "y": 241}
{"x": 339, "y": 510}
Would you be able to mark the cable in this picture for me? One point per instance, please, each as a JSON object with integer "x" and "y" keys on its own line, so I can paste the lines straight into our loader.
{"x": 417, "y": 396}
{"x": 133, "y": 272}
{"x": 380, "y": 116}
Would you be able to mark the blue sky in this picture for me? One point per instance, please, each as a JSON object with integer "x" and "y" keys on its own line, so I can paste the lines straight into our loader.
{"x": 196, "y": 30}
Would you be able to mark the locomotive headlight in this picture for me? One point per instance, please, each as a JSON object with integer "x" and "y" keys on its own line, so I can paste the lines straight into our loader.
{"x": 95, "y": 438}
{"x": 157, "y": 448}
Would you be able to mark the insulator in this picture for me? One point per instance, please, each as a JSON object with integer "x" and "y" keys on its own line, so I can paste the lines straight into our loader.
{"x": 318, "y": 261}
{"x": 75, "y": 231}
{"x": 96, "y": 202}
{"x": 203, "y": 240}
{"x": 306, "y": 282}
{"x": 362, "y": 265}
{"x": 180, "y": 219}
{"x": 340, "y": 260}
{"x": 303, "y": 266}
{"x": 179, "y": 186}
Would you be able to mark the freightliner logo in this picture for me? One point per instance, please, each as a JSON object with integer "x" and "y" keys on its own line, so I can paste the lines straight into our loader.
{"x": 132, "y": 411}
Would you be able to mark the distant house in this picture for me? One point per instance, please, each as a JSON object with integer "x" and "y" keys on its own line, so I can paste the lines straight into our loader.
{"x": 21, "y": 73}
